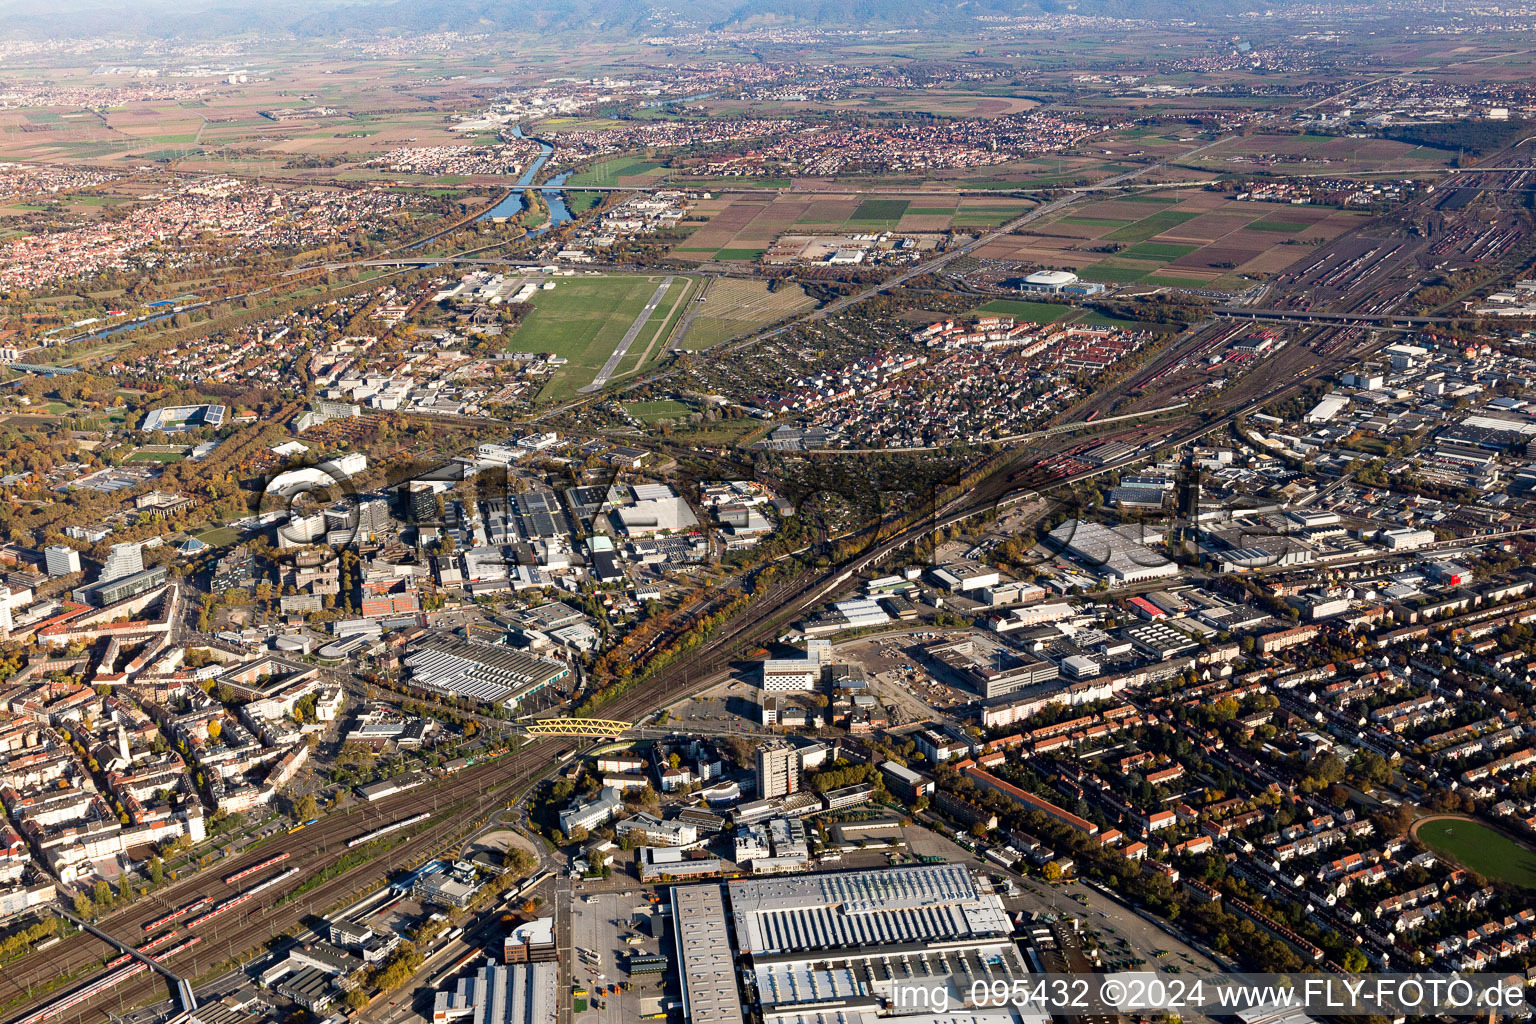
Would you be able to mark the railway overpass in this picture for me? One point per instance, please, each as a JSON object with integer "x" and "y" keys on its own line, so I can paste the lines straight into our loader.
{"x": 42, "y": 369}
{"x": 184, "y": 993}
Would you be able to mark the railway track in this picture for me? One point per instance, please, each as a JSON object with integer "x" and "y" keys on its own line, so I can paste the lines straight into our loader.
{"x": 476, "y": 791}
{"x": 311, "y": 851}
{"x": 472, "y": 794}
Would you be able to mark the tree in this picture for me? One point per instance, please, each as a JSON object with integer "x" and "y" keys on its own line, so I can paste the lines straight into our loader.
{"x": 519, "y": 861}
{"x": 1051, "y": 872}
{"x": 307, "y": 807}
{"x": 1371, "y": 767}
{"x": 1355, "y": 961}
{"x": 215, "y": 728}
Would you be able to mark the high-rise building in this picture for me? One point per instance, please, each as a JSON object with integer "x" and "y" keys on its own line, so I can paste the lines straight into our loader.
{"x": 123, "y": 560}
{"x": 373, "y": 519}
{"x": 778, "y": 769}
{"x": 421, "y": 502}
{"x": 61, "y": 560}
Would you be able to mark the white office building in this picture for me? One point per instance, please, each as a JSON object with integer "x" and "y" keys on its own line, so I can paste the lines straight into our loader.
{"x": 123, "y": 560}
{"x": 61, "y": 560}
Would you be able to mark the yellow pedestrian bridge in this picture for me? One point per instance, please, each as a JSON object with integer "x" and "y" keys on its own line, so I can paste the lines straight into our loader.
{"x": 576, "y": 727}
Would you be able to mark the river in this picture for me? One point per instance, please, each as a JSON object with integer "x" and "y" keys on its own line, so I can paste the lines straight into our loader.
{"x": 513, "y": 202}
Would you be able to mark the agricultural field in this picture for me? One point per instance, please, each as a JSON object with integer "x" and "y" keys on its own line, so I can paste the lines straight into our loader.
{"x": 1182, "y": 239}
{"x": 1321, "y": 154}
{"x": 222, "y": 128}
{"x": 733, "y": 307}
{"x": 742, "y": 226}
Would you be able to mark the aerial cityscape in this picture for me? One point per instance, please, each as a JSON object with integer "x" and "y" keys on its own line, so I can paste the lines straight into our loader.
{"x": 796, "y": 512}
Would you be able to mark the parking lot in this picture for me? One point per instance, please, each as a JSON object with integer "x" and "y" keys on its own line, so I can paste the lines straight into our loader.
{"x": 601, "y": 922}
{"x": 730, "y": 707}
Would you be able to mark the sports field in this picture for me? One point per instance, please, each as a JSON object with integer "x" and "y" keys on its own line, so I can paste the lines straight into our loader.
{"x": 1037, "y": 312}
{"x": 1479, "y": 848}
{"x": 1055, "y": 312}
{"x": 664, "y": 409}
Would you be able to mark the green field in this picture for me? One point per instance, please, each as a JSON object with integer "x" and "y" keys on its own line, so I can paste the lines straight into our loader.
{"x": 651, "y": 346}
{"x": 161, "y": 457}
{"x": 1112, "y": 275}
{"x": 650, "y": 412}
{"x": 1159, "y": 281}
{"x": 714, "y": 183}
{"x": 1038, "y": 312}
{"x": 608, "y": 172}
{"x": 581, "y": 202}
{"x": 219, "y": 537}
{"x": 1093, "y": 318}
{"x": 1097, "y": 222}
{"x": 1162, "y": 252}
{"x": 1149, "y": 226}
{"x": 747, "y": 255}
{"x": 879, "y": 214}
{"x": 583, "y": 321}
{"x": 1481, "y": 849}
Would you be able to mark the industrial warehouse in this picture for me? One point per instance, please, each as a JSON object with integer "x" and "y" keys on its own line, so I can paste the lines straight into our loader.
{"x": 836, "y": 946}
{"x": 485, "y": 672}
